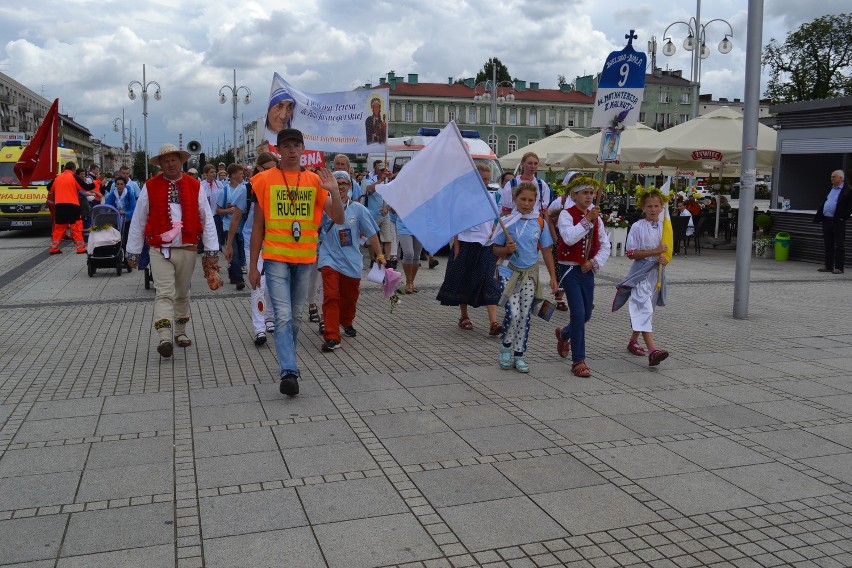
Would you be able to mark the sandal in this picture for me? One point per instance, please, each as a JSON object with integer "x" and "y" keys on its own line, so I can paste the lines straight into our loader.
{"x": 656, "y": 357}
{"x": 580, "y": 369}
{"x": 521, "y": 366}
{"x": 496, "y": 329}
{"x": 409, "y": 288}
{"x": 182, "y": 340}
{"x": 465, "y": 323}
{"x": 635, "y": 348}
{"x": 165, "y": 349}
{"x": 313, "y": 313}
{"x": 560, "y": 302}
{"x": 563, "y": 344}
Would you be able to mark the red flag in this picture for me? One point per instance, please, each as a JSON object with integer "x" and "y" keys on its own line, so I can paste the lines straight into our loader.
{"x": 39, "y": 160}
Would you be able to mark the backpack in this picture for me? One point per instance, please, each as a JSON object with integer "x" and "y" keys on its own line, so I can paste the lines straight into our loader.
{"x": 514, "y": 182}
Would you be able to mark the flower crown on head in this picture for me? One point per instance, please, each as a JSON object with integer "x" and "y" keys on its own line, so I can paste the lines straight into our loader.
{"x": 577, "y": 182}
{"x": 644, "y": 193}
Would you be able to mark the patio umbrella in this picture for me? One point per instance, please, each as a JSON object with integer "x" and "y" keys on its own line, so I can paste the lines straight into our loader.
{"x": 559, "y": 142}
{"x": 584, "y": 153}
{"x": 714, "y": 137}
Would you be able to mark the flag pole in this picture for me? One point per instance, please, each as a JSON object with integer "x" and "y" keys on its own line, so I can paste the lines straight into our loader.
{"x": 597, "y": 202}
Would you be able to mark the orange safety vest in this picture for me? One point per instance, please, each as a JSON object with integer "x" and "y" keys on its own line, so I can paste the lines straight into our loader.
{"x": 293, "y": 217}
{"x": 65, "y": 188}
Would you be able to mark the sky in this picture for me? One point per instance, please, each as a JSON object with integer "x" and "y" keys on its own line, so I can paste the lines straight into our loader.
{"x": 86, "y": 52}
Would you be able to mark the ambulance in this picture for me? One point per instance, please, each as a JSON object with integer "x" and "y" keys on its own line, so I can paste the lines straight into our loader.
{"x": 401, "y": 150}
{"x": 23, "y": 208}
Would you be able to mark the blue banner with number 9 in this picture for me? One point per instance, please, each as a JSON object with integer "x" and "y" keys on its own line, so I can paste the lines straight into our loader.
{"x": 621, "y": 88}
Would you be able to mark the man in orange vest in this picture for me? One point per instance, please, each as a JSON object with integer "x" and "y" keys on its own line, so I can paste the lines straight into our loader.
{"x": 67, "y": 210}
{"x": 292, "y": 202}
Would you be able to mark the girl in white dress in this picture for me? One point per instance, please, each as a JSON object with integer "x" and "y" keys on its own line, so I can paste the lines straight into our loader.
{"x": 645, "y": 248}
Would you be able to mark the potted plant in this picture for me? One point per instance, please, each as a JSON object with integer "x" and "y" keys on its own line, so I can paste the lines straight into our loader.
{"x": 763, "y": 247}
{"x": 763, "y": 222}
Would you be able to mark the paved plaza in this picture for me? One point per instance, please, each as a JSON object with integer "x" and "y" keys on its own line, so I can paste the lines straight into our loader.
{"x": 408, "y": 446}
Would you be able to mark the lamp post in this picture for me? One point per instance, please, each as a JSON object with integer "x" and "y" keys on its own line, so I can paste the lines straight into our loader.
{"x": 124, "y": 134}
{"x": 696, "y": 43}
{"x": 235, "y": 97}
{"x": 491, "y": 93}
{"x": 157, "y": 96}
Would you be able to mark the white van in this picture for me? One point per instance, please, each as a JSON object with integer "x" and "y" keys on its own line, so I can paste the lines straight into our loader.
{"x": 401, "y": 150}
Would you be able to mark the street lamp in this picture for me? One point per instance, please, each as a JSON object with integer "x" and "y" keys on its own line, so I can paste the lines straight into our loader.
{"x": 491, "y": 93}
{"x": 125, "y": 132}
{"x": 696, "y": 43}
{"x": 157, "y": 96}
{"x": 235, "y": 97}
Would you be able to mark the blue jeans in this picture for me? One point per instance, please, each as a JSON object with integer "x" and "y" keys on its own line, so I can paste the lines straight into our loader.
{"x": 235, "y": 268}
{"x": 288, "y": 289}
{"x": 579, "y": 294}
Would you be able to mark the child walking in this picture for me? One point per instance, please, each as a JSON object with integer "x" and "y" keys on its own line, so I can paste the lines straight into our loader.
{"x": 583, "y": 249}
{"x": 519, "y": 279}
{"x": 645, "y": 286}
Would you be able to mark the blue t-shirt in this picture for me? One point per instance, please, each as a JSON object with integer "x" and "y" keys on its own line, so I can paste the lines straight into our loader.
{"x": 374, "y": 201}
{"x": 233, "y": 195}
{"x": 355, "y": 192}
{"x": 528, "y": 236}
{"x": 401, "y": 229}
{"x": 339, "y": 248}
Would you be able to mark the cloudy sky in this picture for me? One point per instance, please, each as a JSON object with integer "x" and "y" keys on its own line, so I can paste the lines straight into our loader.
{"x": 86, "y": 52}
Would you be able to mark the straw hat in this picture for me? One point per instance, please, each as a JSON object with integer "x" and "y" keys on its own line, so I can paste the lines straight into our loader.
{"x": 167, "y": 149}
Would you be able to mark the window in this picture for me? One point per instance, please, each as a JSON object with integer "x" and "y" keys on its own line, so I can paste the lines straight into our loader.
{"x": 492, "y": 141}
{"x": 642, "y": 117}
{"x": 471, "y": 115}
{"x": 684, "y": 98}
{"x": 551, "y": 118}
{"x": 409, "y": 113}
{"x": 513, "y": 143}
{"x": 531, "y": 140}
{"x": 451, "y": 114}
{"x": 430, "y": 114}
{"x": 683, "y": 118}
{"x": 570, "y": 122}
{"x": 533, "y": 118}
{"x": 664, "y": 96}
{"x": 513, "y": 117}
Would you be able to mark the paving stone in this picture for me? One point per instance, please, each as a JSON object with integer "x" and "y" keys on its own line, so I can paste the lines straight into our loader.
{"x": 372, "y": 400}
{"x": 30, "y": 539}
{"x": 289, "y": 548}
{"x": 56, "y": 429}
{"x": 65, "y": 408}
{"x": 255, "y": 512}
{"x": 650, "y": 460}
{"x": 701, "y": 492}
{"x": 231, "y": 442}
{"x": 439, "y": 394}
{"x": 124, "y": 481}
{"x": 837, "y": 433}
{"x": 116, "y": 529}
{"x": 796, "y": 444}
{"x": 614, "y": 404}
{"x": 788, "y": 410}
{"x": 482, "y": 416}
{"x": 242, "y": 468}
{"x": 347, "y": 500}
{"x": 733, "y": 416}
{"x": 774, "y": 482}
{"x": 405, "y": 424}
{"x": 504, "y": 439}
{"x": 596, "y": 508}
{"x": 425, "y": 448}
{"x": 714, "y": 453}
{"x": 593, "y": 429}
{"x": 38, "y": 490}
{"x": 328, "y": 459}
{"x": 210, "y": 415}
{"x": 138, "y": 402}
{"x": 460, "y": 485}
{"x": 120, "y": 453}
{"x": 223, "y": 395}
{"x": 837, "y": 466}
{"x": 313, "y": 434}
{"x": 661, "y": 423}
{"x": 363, "y": 383}
{"x": 689, "y": 398}
{"x": 307, "y": 406}
{"x": 43, "y": 460}
{"x": 131, "y": 422}
{"x": 549, "y": 473}
{"x": 510, "y": 387}
{"x": 377, "y": 541}
{"x": 502, "y": 522}
{"x": 146, "y": 557}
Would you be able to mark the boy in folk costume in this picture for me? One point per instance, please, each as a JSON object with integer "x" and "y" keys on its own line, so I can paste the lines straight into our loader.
{"x": 645, "y": 284}
{"x": 583, "y": 250}
{"x": 520, "y": 283}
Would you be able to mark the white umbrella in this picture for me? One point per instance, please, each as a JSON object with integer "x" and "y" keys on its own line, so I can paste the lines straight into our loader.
{"x": 559, "y": 142}
{"x": 584, "y": 154}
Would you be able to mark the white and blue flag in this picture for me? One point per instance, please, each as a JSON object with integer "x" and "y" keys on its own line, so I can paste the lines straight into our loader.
{"x": 439, "y": 193}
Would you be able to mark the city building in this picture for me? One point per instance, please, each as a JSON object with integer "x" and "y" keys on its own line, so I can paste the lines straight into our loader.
{"x": 707, "y": 104}
{"x": 533, "y": 114}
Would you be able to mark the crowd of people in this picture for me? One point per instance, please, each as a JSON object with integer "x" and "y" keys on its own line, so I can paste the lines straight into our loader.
{"x": 298, "y": 235}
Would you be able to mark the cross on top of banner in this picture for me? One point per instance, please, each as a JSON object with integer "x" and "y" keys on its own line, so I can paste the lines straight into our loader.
{"x": 630, "y": 37}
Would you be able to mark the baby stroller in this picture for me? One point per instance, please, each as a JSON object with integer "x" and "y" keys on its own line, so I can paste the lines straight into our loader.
{"x": 105, "y": 249}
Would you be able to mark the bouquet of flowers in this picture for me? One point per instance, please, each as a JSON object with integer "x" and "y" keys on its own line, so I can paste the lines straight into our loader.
{"x": 615, "y": 221}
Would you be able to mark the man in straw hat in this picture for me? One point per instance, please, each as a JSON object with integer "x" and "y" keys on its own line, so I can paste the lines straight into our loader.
{"x": 171, "y": 216}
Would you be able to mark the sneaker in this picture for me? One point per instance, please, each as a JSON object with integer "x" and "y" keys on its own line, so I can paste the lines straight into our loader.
{"x": 245, "y": 270}
{"x": 321, "y": 326}
{"x": 350, "y": 331}
{"x": 270, "y": 327}
{"x": 330, "y": 345}
{"x": 289, "y": 385}
{"x": 521, "y": 365}
{"x": 433, "y": 263}
{"x": 81, "y": 251}
{"x": 57, "y": 251}
{"x": 506, "y": 360}
{"x": 563, "y": 345}
{"x": 241, "y": 285}
{"x": 391, "y": 263}
{"x": 259, "y": 338}
{"x": 656, "y": 357}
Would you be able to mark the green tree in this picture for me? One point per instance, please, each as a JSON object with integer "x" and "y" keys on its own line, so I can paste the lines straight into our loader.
{"x": 488, "y": 69}
{"x": 138, "y": 170}
{"x": 814, "y": 62}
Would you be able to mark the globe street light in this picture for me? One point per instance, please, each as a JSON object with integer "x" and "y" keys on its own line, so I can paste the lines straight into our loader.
{"x": 696, "y": 43}
{"x": 157, "y": 96}
{"x": 491, "y": 93}
{"x": 124, "y": 133}
{"x": 235, "y": 97}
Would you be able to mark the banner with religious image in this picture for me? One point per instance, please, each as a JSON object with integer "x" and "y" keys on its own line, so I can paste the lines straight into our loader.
{"x": 350, "y": 122}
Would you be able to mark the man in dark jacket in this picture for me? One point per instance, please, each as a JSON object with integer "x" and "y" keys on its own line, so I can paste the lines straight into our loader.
{"x": 833, "y": 215}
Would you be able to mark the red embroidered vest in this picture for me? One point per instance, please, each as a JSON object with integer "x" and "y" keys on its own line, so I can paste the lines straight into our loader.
{"x": 577, "y": 251}
{"x": 159, "y": 215}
